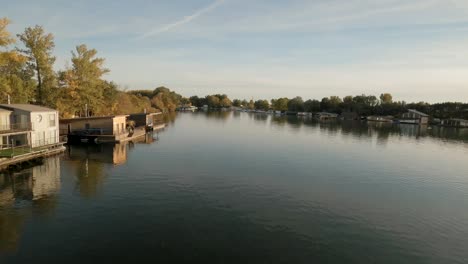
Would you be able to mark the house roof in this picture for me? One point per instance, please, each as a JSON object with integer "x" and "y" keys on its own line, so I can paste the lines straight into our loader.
{"x": 68, "y": 120}
{"x": 27, "y": 107}
{"x": 418, "y": 112}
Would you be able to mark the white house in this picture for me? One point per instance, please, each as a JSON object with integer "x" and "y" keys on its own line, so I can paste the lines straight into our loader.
{"x": 32, "y": 124}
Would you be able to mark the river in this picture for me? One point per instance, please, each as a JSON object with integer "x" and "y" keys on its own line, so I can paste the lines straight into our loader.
{"x": 229, "y": 187}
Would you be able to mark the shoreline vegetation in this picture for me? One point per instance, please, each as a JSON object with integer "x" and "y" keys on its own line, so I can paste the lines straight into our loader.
{"x": 27, "y": 75}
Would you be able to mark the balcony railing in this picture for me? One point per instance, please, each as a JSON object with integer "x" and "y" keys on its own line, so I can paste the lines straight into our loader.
{"x": 12, "y": 128}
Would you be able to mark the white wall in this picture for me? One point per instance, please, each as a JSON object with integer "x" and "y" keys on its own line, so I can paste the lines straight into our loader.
{"x": 44, "y": 133}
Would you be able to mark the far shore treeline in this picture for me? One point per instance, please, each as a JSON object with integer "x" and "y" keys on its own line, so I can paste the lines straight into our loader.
{"x": 27, "y": 75}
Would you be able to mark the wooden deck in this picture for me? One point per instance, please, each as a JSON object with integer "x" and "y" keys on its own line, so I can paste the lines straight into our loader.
{"x": 31, "y": 155}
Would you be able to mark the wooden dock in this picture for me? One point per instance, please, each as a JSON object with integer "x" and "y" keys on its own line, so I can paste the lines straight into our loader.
{"x": 33, "y": 155}
{"x": 123, "y": 137}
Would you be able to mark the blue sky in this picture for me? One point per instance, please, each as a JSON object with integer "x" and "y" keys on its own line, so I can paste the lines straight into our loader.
{"x": 414, "y": 49}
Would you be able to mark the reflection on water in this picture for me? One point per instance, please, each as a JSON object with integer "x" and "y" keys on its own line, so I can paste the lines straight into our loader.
{"x": 89, "y": 161}
{"x": 226, "y": 187}
{"x": 33, "y": 191}
{"x": 104, "y": 153}
{"x": 358, "y": 129}
{"x": 30, "y": 191}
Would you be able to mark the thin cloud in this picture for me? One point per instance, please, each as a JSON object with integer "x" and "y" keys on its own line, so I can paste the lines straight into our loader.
{"x": 184, "y": 20}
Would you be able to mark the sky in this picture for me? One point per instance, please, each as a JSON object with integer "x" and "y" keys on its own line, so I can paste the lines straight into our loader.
{"x": 416, "y": 50}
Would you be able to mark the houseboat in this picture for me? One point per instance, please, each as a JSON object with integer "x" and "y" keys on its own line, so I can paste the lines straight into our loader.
{"x": 27, "y": 132}
{"x": 384, "y": 119}
{"x": 325, "y": 116}
{"x": 414, "y": 117}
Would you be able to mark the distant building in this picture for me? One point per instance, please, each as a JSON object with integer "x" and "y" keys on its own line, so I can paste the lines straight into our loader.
{"x": 455, "y": 122}
{"x": 376, "y": 118}
{"x": 415, "y": 117}
{"x": 188, "y": 108}
{"x": 28, "y": 125}
{"x": 324, "y": 116}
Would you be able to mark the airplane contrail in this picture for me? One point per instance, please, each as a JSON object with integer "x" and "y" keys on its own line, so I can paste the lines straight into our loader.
{"x": 184, "y": 20}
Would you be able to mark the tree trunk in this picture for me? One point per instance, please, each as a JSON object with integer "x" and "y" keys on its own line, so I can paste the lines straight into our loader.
{"x": 39, "y": 85}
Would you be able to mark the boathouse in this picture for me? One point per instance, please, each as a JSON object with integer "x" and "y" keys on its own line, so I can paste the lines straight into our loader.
{"x": 99, "y": 125}
{"x": 414, "y": 117}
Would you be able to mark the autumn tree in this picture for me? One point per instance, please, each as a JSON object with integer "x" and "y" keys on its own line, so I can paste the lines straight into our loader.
{"x": 386, "y": 98}
{"x": 83, "y": 82}
{"x": 38, "y": 50}
{"x": 15, "y": 77}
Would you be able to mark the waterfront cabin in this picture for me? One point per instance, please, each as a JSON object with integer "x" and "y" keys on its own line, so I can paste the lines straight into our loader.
{"x": 455, "y": 122}
{"x": 385, "y": 119}
{"x": 325, "y": 116}
{"x": 28, "y": 125}
{"x": 414, "y": 117}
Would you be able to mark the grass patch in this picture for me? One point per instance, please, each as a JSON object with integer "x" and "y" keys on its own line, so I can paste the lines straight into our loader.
{"x": 10, "y": 153}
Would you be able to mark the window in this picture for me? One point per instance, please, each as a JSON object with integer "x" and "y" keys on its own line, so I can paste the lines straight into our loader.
{"x": 52, "y": 120}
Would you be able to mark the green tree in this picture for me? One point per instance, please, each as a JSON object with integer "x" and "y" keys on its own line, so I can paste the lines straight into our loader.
{"x": 262, "y": 105}
{"x": 312, "y": 106}
{"x": 38, "y": 49}
{"x": 280, "y": 104}
{"x": 296, "y": 104}
{"x": 236, "y": 102}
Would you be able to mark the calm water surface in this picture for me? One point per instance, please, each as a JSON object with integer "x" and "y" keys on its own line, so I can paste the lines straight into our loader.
{"x": 245, "y": 188}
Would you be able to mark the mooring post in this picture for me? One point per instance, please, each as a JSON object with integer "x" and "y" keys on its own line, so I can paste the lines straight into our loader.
{"x": 12, "y": 148}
